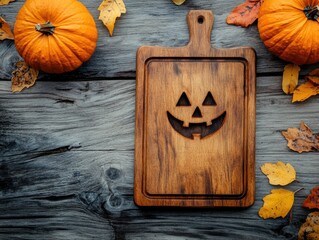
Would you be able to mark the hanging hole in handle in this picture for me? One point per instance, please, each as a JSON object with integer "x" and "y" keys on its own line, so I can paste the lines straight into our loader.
{"x": 200, "y": 19}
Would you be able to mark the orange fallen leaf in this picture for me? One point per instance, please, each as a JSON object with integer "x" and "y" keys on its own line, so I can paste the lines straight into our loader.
{"x": 305, "y": 91}
{"x": 178, "y": 2}
{"x": 290, "y": 78}
{"x": 310, "y": 229}
{"x": 312, "y": 201}
{"x": 5, "y": 31}
{"x": 5, "y": 2}
{"x": 23, "y": 77}
{"x": 313, "y": 76}
{"x": 245, "y": 14}
{"x": 302, "y": 139}
{"x": 279, "y": 173}
{"x": 109, "y": 11}
{"x": 277, "y": 204}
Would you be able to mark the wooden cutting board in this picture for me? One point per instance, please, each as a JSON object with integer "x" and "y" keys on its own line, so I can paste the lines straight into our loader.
{"x": 195, "y": 122}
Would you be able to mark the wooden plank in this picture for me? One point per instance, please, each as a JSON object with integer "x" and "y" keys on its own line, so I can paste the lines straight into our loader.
{"x": 147, "y": 23}
{"x": 66, "y": 167}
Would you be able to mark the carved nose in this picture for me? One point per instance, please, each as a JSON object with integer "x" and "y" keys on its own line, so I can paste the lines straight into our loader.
{"x": 197, "y": 113}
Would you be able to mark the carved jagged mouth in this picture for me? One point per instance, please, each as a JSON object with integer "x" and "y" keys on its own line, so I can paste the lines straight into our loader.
{"x": 196, "y": 129}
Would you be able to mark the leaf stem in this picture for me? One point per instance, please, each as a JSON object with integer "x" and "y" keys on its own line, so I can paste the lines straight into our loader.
{"x": 299, "y": 189}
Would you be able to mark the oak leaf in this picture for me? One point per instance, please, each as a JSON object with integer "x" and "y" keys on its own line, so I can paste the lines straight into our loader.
{"x": 277, "y": 204}
{"x": 5, "y": 31}
{"x": 279, "y": 173}
{"x": 312, "y": 201}
{"x": 310, "y": 229}
{"x": 178, "y": 2}
{"x": 5, "y": 2}
{"x": 23, "y": 77}
{"x": 245, "y": 14}
{"x": 290, "y": 78}
{"x": 109, "y": 11}
{"x": 302, "y": 139}
{"x": 305, "y": 91}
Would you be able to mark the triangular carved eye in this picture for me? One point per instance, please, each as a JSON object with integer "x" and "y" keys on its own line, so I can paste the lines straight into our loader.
{"x": 183, "y": 100}
{"x": 209, "y": 100}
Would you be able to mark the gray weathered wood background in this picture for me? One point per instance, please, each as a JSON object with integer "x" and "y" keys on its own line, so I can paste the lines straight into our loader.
{"x": 67, "y": 144}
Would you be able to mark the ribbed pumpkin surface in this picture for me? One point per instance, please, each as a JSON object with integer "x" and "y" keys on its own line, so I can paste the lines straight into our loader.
{"x": 72, "y": 42}
{"x": 287, "y": 32}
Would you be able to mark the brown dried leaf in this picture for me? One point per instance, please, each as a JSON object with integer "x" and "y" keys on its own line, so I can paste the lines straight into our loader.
{"x": 310, "y": 229}
{"x": 23, "y": 77}
{"x": 178, "y": 2}
{"x": 305, "y": 91}
{"x": 301, "y": 140}
{"x": 312, "y": 201}
{"x": 109, "y": 11}
{"x": 5, "y": 2}
{"x": 290, "y": 78}
{"x": 245, "y": 14}
{"x": 5, "y": 31}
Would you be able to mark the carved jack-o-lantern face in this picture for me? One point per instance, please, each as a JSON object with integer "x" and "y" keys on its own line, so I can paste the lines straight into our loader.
{"x": 199, "y": 125}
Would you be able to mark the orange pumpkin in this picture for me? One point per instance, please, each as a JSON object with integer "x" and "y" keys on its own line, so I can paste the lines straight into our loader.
{"x": 55, "y": 36}
{"x": 290, "y": 30}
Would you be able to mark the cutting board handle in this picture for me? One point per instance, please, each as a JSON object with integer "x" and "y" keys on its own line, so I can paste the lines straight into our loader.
{"x": 200, "y": 24}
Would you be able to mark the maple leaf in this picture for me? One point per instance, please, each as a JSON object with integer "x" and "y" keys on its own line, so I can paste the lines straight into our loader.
{"x": 245, "y": 14}
{"x": 290, "y": 78}
{"x": 312, "y": 201}
{"x": 277, "y": 204}
{"x": 5, "y": 31}
{"x": 310, "y": 229}
{"x": 5, "y": 2}
{"x": 23, "y": 77}
{"x": 302, "y": 139}
{"x": 305, "y": 91}
{"x": 178, "y": 2}
{"x": 109, "y": 11}
{"x": 279, "y": 173}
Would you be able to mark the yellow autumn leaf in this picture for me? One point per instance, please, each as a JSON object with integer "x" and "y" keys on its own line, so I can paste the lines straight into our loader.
{"x": 23, "y": 77}
{"x": 313, "y": 76}
{"x": 109, "y": 11}
{"x": 290, "y": 78}
{"x": 305, "y": 91}
{"x": 178, "y": 2}
{"x": 279, "y": 173}
{"x": 5, "y": 2}
{"x": 277, "y": 204}
{"x": 5, "y": 31}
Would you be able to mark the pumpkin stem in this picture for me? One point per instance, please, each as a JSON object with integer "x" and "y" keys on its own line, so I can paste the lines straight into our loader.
{"x": 312, "y": 13}
{"x": 46, "y": 28}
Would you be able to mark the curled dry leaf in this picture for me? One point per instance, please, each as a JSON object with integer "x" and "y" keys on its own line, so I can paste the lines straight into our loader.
{"x": 23, "y": 77}
{"x": 313, "y": 76}
{"x": 290, "y": 78}
{"x": 279, "y": 173}
{"x": 305, "y": 91}
{"x": 178, "y": 2}
{"x": 310, "y": 229}
{"x": 312, "y": 201}
{"x": 245, "y": 14}
{"x": 302, "y": 139}
{"x": 277, "y": 204}
{"x": 5, "y": 31}
{"x": 5, "y": 2}
{"x": 109, "y": 11}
